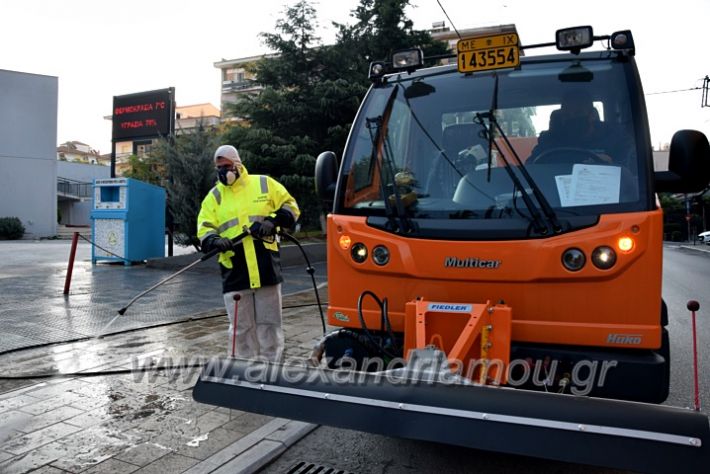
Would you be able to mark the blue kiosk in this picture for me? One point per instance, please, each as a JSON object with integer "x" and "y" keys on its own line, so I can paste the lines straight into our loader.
{"x": 128, "y": 221}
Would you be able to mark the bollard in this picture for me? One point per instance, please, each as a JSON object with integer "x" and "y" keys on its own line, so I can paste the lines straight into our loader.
{"x": 693, "y": 306}
{"x": 70, "y": 267}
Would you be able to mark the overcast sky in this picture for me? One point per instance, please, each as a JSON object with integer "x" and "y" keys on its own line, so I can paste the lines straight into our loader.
{"x": 99, "y": 49}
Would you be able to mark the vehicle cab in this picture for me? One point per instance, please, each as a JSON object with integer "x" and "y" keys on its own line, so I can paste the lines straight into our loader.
{"x": 515, "y": 178}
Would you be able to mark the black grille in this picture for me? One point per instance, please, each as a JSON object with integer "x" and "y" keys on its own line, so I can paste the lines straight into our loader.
{"x": 305, "y": 467}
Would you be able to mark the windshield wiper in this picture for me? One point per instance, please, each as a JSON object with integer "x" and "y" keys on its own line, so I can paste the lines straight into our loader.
{"x": 544, "y": 203}
{"x": 395, "y": 215}
{"x": 538, "y": 221}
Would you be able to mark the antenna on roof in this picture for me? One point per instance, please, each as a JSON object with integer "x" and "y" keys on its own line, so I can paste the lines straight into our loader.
{"x": 447, "y": 17}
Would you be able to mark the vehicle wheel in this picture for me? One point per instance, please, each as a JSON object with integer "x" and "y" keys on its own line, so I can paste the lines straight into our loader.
{"x": 664, "y": 313}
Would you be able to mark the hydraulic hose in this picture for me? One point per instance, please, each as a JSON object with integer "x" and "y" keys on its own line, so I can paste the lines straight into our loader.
{"x": 384, "y": 319}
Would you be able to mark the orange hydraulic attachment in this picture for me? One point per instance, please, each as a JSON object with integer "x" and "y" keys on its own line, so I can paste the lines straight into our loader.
{"x": 474, "y": 337}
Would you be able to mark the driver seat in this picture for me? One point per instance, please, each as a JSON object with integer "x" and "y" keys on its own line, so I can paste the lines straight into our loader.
{"x": 558, "y": 135}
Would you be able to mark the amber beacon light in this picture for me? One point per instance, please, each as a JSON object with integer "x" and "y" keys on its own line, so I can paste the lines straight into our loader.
{"x": 344, "y": 242}
{"x": 625, "y": 244}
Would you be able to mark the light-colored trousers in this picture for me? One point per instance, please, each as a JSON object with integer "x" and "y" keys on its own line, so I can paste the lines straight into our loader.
{"x": 259, "y": 332}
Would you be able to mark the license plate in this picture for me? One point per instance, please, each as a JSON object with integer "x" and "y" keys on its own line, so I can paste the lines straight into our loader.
{"x": 488, "y": 52}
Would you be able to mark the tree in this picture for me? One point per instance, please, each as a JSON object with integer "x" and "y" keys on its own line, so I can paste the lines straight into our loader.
{"x": 311, "y": 92}
{"x": 298, "y": 114}
{"x": 674, "y": 223}
{"x": 381, "y": 28}
{"x": 189, "y": 176}
{"x": 146, "y": 168}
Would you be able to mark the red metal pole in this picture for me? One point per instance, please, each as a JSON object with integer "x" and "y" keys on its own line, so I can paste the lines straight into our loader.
{"x": 234, "y": 325}
{"x": 70, "y": 267}
{"x": 693, "y": 306}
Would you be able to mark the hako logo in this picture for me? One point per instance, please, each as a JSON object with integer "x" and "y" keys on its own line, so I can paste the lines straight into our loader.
{"x": 627, "y": 339}
{"x": 470, "y": 262}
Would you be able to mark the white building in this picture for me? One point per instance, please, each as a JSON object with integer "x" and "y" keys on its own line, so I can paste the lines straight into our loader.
{"x": 28, "y": 151}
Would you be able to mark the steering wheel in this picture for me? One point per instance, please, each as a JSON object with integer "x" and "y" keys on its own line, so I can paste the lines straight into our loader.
{"x": 568, "y": 155}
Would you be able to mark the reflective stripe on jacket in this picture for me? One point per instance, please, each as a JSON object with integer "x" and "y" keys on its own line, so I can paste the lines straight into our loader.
{"x": 226, "y": 210}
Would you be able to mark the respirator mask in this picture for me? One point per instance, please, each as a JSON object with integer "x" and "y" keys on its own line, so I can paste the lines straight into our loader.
{"x": 227, "y": 174}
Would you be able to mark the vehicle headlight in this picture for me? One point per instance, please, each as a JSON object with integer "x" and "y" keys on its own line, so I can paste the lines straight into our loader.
{"x": 604, "y": 257}
{"x": 573, "y": 259}
{"x": 380, "y": 255}
{"x": 359, "y": 252}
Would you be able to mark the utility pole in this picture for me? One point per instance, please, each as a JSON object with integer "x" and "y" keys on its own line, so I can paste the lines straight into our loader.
{"x": 687, "y": 214}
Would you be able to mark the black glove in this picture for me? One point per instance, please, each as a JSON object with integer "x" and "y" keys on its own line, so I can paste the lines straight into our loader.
{"x": 265, "y": 228}
{"x": 223, "y": 244}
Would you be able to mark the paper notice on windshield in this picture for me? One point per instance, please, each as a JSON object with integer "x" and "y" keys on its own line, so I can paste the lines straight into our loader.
{"x": 589, "y": 185}
{"x": 564, "y": 184}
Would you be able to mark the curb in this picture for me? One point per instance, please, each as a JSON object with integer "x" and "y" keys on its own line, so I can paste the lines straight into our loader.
{"x": 255, "y": 450}
{"x": 694, "y": 248}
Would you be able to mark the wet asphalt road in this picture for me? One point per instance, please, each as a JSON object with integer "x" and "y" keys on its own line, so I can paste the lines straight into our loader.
{"x": 686, "y": 276}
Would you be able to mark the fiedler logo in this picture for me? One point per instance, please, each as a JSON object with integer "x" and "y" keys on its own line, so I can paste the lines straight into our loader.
{"x": 630, "y": 339}
{"x": 470, "y": 262}
{"x": 449, "y": 307}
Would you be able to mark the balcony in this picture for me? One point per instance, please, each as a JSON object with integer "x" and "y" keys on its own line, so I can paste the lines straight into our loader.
{"x": 71, "y": 190}
{"x": 236, "y": 86}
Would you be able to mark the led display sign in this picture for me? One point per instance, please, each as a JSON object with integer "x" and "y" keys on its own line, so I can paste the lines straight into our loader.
{"x": 143, "y": 115}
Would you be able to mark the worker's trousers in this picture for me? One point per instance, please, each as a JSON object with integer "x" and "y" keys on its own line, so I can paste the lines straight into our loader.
{"x": 259, "y": 332}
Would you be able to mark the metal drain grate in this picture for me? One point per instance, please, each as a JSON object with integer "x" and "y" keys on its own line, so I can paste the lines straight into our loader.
{"x": 305, "y": 467}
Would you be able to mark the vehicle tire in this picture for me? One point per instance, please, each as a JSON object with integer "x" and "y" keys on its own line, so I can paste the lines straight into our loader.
{"x": 664, "y": 314}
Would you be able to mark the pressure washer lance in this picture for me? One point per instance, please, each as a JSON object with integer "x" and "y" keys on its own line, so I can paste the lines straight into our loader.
{"x": 206, "y": 256}
{"x": 693, "y": 306}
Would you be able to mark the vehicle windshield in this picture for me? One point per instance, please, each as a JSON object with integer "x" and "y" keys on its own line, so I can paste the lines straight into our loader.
{"x": 570, "y": 122}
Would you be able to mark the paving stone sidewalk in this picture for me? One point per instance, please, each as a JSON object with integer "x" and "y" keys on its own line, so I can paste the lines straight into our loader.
{"x": 33, "y": 309}
{"x": 140, "y": 422}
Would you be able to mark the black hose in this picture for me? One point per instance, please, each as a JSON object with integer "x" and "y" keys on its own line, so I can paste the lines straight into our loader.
{"x": 310, "y": 270}
{"x": 100, "y": 247}
{"x": 385, "y": 315}
{"x": 100, "y": 373}
{"x": 363, "y": 325}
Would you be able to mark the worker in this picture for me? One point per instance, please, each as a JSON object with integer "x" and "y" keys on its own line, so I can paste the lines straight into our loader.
{"x": 576, "y": 125}
{"x": 250, "y": 268}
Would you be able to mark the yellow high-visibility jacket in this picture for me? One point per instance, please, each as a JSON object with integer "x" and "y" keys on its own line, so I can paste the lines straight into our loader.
{"x": 226, "y": 210}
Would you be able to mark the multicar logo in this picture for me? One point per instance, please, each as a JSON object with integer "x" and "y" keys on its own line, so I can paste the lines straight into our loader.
{"x": 470, "y": 262}
{"x": 628, "y": 339}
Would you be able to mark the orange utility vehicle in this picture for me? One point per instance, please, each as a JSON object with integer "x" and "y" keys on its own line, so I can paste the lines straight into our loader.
{"x": 494, "y": 263}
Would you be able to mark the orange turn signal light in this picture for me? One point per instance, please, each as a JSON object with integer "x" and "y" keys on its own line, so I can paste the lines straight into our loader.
{"x": 625, "y": 244}
{"x": 344, "y": 242}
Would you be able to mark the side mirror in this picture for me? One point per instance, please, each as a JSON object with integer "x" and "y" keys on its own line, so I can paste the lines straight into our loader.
{"x": 326, "y": 176}
{"x": 688, "y": 164}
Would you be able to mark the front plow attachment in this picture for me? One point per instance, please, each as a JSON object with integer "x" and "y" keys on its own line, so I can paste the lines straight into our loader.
{"x": 442, "y": 408}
